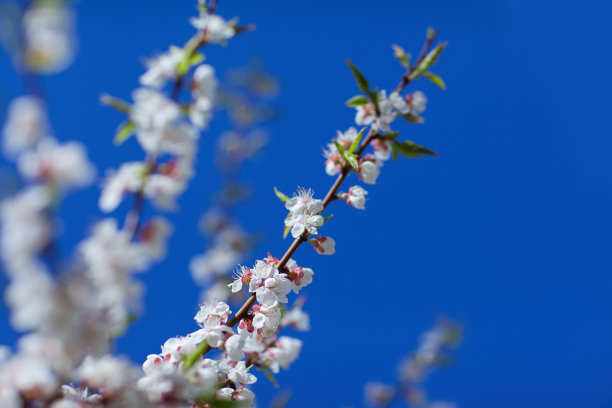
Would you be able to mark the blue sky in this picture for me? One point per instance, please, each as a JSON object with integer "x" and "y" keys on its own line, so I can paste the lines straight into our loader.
{"x": 508, "y": 231}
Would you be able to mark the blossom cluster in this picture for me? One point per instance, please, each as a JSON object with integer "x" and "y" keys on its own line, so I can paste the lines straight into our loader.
{"x": 71, "y": 311}
{"x": 179, "y": 372}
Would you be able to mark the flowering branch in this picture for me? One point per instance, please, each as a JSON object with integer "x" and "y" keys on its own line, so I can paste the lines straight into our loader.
{"x": 74, "y": 313}
{"x": 347, "y": 162}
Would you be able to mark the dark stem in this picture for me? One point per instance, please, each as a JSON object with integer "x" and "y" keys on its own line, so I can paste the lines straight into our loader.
{"x": 331, "y": 196}
{"x": 407, "y": 77}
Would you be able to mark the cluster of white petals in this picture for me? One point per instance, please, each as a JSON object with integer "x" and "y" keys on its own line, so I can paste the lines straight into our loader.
{"x": 335, "y": 162}
{"x": 26, "y": 123}
{"x": 50, "y": 44}
{"x": 162, "y": 68}
{"x": 369, "y": 166}
{"x": 203, "y": 90}
{"x": 304, "y": 213}
{"x": 389, "y": 108}
{"x": 63, "y": 165}
{"x": 213, "y": 27}
{"x": 356, "y": 197}
{"x": 325, "y": 245}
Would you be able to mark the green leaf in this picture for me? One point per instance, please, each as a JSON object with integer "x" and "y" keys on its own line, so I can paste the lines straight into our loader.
{"x": 190, "y": 59}
{"x": 269, "y": 375}
{"x": 190, "y": 360}
{"x": 347, "y": 156}
{"x": 435, "y": 79}
{"x": 280, "y": 195}
{"x": 412, "y": 150}
{"x": 413, "y": 118}
{"x": 286, "y": 231}
{"x": 374, "y": 97}
{"x": 124, "y": 131}
{"x": 362, "y": 83}
{"x": 430, "y": 59}
{"x": 357, "y": 100}
{"x": 339, "y": 147}
{"x": 355, "y": 143}
{"x": 327, "y": 218}
{"x": 390, "y": 135}
{"x": 402, "y": 56}
{"x": 116, "y": 103}
{"x": 197, "y": 58}
{"x": 394, "y": 151}
{"x": 217, "y": 403}
{"x": 431, "y": 33}
{"x": 282, "y": 310}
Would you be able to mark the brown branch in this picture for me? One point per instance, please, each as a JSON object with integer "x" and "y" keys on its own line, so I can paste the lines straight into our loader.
{"x": 331, "y": 195}
{"x": 132, "y": 219}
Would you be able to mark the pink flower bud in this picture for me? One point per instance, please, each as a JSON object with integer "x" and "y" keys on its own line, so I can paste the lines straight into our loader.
{"x": 325, "y": 245}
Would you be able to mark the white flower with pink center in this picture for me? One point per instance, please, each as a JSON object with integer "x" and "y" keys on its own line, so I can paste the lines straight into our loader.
{"x": 325, "y": 245}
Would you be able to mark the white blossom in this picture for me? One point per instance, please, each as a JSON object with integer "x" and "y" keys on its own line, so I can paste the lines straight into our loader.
{"x": 389, "y": 108}
{"x": 356, "y": 197}
{"x": 233, "y": 347}
{"x": 64, "y": 165}
{"x": 325, "y": 246}
{"x": 369, "y": 172}
{"x": 78, "y": 396}
{"x": 241, "y": 397}
{"x": 162, "y": 381}
{"x": 240, "y": 374}
{"x": 30, "y": 375}
{"x": 399, "y": 103}
{"x": 154, "y": 237}
{"x": 162, "y": 68}
{"x": 25, "y": 228}
{"x": 215, "y": 28}
{"x": 26, "y": 124}
{"x": 296, "y": 318}
{"x": 129, "y": 178}
{"x": 110, "y": 375}
{"x": 304, "y": 213}
{"x": 418, "y": 101}
{"x": 335, "y": 162}
{"x": 204, "y": 90}
{"x": 154, "y": 116}
{"x": 300, "y": 276}
{"x": 284, "y": 352}
{"x": 378, "y": 394}
{"x": 212, "y": 318}
{"x": 303, "y": 202}
{"x": 31, "y": 297}
{"x": 110, "y": 252}
{"x": 267, "y": 319}
{"x": 382, "y": 149}
{"x": 50, "y": 43}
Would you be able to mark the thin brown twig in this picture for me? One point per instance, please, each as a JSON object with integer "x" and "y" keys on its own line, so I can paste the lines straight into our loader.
{"x": 407, "y": 77}
{"x": 330, "y": 196}
{"x": 132, "y": 219}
